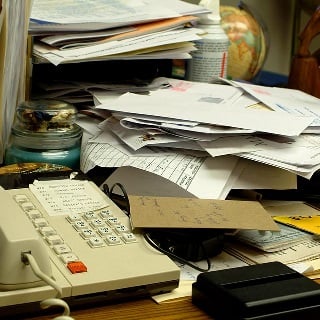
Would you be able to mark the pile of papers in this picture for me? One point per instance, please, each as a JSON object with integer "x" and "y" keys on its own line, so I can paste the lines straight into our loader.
{"x": 269, "y": 241}
{"x": 93, "y": 30}
{"x": 205, "y": 139}
{"x": 185, "y": 129}
{"x": 220, "y": 119}
{"x": 290, "y": 245}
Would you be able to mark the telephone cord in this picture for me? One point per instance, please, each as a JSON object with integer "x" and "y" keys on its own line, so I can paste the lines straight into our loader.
{"x": 28, "y": 259}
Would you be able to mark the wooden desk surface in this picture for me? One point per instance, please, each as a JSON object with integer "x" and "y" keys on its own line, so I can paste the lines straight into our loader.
{"x": 142, "y": 309}
{"x": 138, "y": 310}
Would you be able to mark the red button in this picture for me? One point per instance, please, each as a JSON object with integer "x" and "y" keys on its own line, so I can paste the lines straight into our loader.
{"x": 77, "y": 267}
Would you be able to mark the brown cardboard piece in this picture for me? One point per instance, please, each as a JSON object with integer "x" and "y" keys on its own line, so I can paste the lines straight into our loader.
{"x": 172, "y": 212}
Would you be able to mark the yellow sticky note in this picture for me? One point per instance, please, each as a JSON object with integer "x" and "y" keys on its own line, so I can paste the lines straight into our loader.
{"x": 306, "y": 223}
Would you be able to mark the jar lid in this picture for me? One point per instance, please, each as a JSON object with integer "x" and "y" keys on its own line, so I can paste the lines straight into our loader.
{"x": 45, "y": 116}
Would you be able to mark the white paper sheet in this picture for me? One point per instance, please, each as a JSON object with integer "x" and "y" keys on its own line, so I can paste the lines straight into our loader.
{"x": 211, "y": 181}
{"x": 286, "y": 100}
{"x": 204, "y": 177}
{"x": 211, "y": 104}
{"x": 102, "y": 14}
{"x": 155, "y": 42}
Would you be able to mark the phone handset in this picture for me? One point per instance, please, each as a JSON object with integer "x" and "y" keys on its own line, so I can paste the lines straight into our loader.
{"x": 18, "y": 236}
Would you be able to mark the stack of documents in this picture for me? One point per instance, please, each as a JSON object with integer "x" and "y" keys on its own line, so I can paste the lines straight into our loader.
{"x": 221, "y": 119}
{"x": 78, "y": 31}
{"x": 80, "y": 92}
{"x": 206, "y": 138}
{"x": 270, "y": 241}
{"x": 304, "y": 251}
{"x": 290, "y": 246}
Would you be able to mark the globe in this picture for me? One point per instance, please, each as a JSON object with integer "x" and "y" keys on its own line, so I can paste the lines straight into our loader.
{"x": 248, "y": 45}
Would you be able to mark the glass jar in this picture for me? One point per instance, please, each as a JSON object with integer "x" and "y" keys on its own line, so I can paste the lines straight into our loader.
{"x": 45, "y": 131}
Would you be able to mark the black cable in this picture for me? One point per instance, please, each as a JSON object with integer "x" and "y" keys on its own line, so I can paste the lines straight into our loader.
{"x": 121, "y": 200}
{"x": 106, "y": 189}
{"x": 175, "y": 257}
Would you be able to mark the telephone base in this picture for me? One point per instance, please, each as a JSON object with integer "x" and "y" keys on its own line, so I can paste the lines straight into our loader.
{"x": 20, "y": 311}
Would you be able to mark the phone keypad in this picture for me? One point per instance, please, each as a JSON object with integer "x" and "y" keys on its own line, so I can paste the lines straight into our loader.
{"x": 99, "y": 228}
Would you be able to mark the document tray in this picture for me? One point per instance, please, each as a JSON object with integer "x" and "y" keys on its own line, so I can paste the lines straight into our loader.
{"x": 265, "y": 291}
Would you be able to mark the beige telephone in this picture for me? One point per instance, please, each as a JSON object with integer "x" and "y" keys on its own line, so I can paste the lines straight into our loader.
{"x": 86, "y": 255}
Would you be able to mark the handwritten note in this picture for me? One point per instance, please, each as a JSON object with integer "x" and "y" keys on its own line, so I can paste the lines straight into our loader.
{"x": 66, "y": 196}
{"x": 172, "y": 212}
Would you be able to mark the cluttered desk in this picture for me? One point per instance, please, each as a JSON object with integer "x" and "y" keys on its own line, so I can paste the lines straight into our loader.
{"x": 135, "y": 270}
{"x": 150, "y": 196}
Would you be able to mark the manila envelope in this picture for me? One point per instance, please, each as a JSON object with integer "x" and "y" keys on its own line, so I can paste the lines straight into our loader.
{"x": 173, "y": 212}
